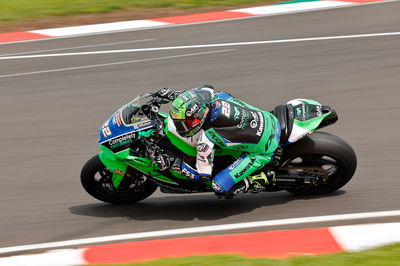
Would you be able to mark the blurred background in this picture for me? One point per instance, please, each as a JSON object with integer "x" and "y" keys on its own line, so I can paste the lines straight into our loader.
{"x": 18, "y": 15}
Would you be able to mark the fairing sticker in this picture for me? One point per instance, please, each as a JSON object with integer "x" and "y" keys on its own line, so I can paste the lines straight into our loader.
{"x": 115, "y": 132}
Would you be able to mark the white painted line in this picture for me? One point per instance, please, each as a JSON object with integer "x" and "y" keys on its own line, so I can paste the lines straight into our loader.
{"x": 80, "y": 47}
{"x": 367, "y": 236}
{"x": 61, "y": 257}
{"x": 203, "y": 229}
{"x": 98, "y": 28}
{"x": 115, "y": 63}
{"x": 194, "y": 23}
{"x": 296, "y": 7}
{"x": 384, "y": 34}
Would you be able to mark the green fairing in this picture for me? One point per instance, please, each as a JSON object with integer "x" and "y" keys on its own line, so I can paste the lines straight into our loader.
{"x": 311, "y": 102}
{"x": 118, "y": 169}
{"x": 120, "y": 161}
{"x": 311, "y": 124}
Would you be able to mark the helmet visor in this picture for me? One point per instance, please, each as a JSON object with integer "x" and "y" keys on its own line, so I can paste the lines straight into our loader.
{"x": 184, "y": 126}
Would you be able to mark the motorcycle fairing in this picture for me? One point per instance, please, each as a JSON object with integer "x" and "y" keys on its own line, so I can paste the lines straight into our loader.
{"x": 308, "y": 115}
{"x": 126, "y": 120}
{"x": 116, "y": 135}
{"x": 119, "y": 163}
{"x": 129, "y": 124}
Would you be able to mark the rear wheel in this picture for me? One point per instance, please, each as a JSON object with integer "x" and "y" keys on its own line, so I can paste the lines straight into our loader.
{"x": 97, "y": 181}
{"x": 324, "y": 151}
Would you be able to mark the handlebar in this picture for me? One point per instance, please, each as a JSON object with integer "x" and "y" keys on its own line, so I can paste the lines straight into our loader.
{"x": 151, "y": 110}
{"x": 152, "y": 107}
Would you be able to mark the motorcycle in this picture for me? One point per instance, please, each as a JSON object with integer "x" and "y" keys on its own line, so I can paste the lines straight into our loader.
{"x": 123, "y": 172}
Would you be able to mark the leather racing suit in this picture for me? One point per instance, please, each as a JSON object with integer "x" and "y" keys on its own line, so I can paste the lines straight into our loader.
{"x": 231, "y": 124}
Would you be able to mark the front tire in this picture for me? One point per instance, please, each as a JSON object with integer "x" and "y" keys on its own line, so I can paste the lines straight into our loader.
{"x": 326, "y": 151}
{"x": 96, "y": 180}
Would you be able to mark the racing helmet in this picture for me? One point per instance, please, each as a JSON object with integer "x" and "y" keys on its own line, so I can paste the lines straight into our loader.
{"x": 189, "y": 112}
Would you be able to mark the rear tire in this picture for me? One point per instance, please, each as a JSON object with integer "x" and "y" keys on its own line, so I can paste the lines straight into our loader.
{"x": 96, "y": 180}
{"x": 323, "y": 150}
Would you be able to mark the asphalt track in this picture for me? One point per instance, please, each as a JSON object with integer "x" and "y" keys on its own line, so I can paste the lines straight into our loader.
{"x": 49, "y": 120}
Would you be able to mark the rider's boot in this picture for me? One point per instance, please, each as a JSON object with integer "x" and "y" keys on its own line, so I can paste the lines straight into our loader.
{"x": 253, "y": 184}
{"x": 242, "y": 186}
{"x": 259, "y": 182}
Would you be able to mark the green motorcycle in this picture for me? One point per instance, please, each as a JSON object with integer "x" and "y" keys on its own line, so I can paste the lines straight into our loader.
{"x": 124, "y": 172}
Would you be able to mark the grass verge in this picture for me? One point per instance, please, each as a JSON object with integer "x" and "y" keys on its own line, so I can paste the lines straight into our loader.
{"x": 20, "y": 10}
{"x": 383, "y": 256}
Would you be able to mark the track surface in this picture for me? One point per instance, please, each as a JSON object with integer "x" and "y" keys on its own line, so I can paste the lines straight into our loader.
{"x": 50, "y": 120}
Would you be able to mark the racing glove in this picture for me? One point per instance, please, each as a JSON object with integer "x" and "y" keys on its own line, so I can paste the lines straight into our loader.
{"x": 165, "y": 162}
{"x": 166, "y": 94}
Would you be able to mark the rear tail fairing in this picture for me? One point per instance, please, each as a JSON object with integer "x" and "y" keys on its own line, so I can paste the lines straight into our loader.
{"x": 309, "y": 115}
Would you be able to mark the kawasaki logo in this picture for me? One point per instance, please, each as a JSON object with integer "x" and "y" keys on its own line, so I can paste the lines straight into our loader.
{"x": 261, "y": 128}
{"x": 244, "y": 170}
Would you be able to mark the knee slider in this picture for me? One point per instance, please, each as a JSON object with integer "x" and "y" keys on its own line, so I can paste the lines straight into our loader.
{"x": 223, "y": 182}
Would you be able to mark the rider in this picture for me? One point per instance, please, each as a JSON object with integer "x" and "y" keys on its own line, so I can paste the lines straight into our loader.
{"x": 209, "y": 120}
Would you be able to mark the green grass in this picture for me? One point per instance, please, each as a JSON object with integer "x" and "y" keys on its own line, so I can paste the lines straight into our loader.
{"x": 20, "y": 10}
{"x": 384, "y": 256}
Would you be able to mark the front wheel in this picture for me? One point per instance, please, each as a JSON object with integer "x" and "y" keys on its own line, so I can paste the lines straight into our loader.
{"x": 97, "y": 181}
{"x": 321, "y": 150}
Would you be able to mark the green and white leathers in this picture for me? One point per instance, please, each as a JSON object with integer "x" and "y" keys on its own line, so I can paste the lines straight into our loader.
{"x": 228, "y": 124}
